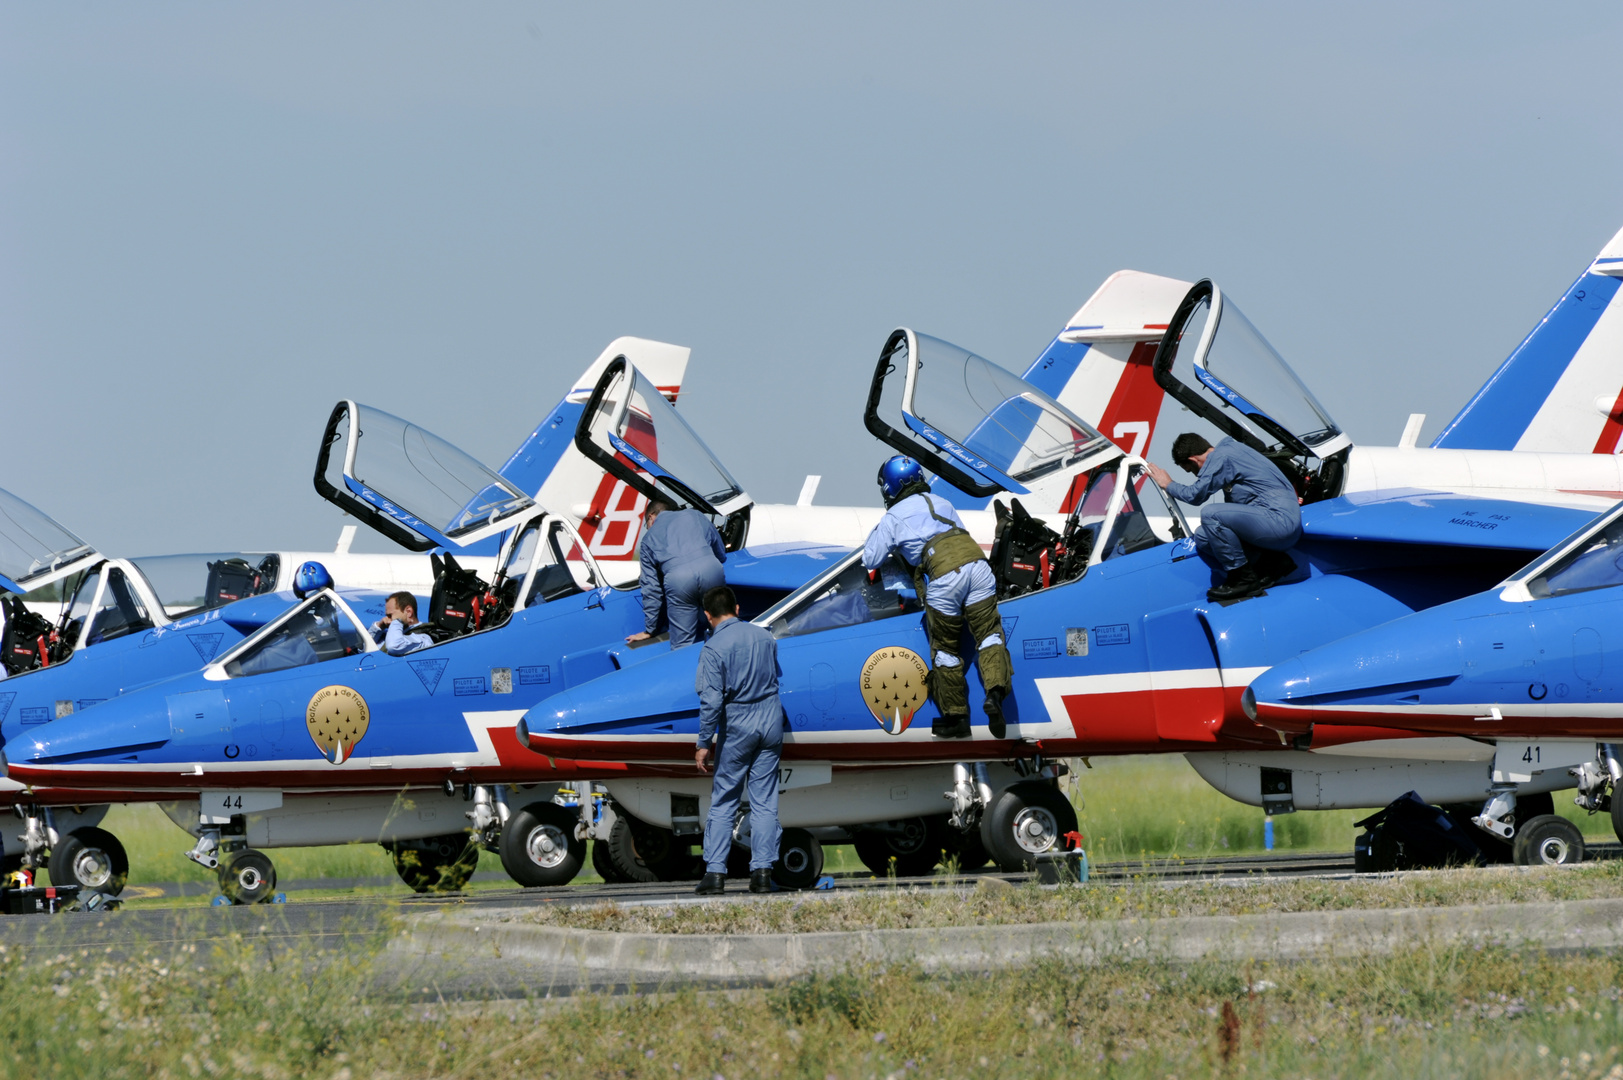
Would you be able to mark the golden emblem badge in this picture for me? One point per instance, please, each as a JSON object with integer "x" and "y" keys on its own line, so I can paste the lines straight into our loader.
{"x": 336, "y": 718}
{"x": 893, "y": 685}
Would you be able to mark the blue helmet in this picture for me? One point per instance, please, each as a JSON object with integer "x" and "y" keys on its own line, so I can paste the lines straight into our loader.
{"x": 310, "y": 577}
{"x": 896, "y": 474}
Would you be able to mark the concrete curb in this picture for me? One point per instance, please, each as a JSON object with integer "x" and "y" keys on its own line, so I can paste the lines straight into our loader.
{"x": 493, "y": 948}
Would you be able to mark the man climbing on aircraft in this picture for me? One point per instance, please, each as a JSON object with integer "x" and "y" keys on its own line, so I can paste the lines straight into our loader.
{"x": 392, "y": 631}
{"x": 681, "y": 556}
{"x": 1248, "y": 536}
{"x": 957, "y": 586}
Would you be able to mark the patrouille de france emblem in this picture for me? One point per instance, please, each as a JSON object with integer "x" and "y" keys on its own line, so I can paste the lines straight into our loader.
{"x": 893, "y": 685}
{"x": 337, "y": 718}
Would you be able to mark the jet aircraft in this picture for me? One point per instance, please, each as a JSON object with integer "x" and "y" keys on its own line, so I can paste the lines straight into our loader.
{"x": 1117, "y": 650}
{"x": 1510, "y": 542}
{"x": 605, "y": 507}
{"x": 1524, "y": 679}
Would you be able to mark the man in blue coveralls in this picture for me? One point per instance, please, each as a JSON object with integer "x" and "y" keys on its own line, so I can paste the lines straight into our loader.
{"x": 958, "y": 588}
{"x": 681, "y": 556}
{"x": 1248, "y": 536}
{"x": 738, "y": 707}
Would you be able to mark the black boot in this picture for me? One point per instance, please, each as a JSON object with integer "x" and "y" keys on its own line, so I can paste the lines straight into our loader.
{"x": 1275, "y": 566}
{"x": 761, "y": 880}
{"x": 712, "y": 885}
{"x": 950, "y": 727}
{"x": 1241, "y": 583}
{"x": 994, "y": 711}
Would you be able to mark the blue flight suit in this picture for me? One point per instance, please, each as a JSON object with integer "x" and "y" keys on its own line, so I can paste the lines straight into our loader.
{"x": 681, "y": 557}
{"x": 395, "y": 640}
{"x": 905, "y": 528}
{"x": 1262, "y": 508}
{"x": 737, "y": 683}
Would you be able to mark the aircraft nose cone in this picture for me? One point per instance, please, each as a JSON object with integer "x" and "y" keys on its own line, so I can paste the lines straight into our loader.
{"x": 1268, "y": 700}
{"x": 115, "y": 729}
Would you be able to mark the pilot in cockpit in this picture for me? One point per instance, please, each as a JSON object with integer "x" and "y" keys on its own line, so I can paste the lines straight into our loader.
{"x": 957, "y": 586}
{"x": 393, "y": 630}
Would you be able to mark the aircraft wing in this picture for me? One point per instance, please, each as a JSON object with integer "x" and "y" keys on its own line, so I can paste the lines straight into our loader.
{"x": 1441, "y": 518}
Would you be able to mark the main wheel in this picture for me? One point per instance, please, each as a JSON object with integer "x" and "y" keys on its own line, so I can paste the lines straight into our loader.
{"x": 966, "y": 847}
{"x": 539, "y": 848}
{"x": 603, "y": 863}
{"x": 645, "y": 852}
{"x": 1548, "y": 840}
{"x": 92, "y": 859}
{"x": 437, "y": 864}
{"x": 247, "y": 876}
{"x": 912, "y": 852}
{"x": 800, "y": 860}
{"x": 1026, "y": 820}
{"x": 1617, "y": 811}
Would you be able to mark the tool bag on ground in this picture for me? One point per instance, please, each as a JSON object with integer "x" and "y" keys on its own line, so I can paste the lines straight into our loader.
{"x": 1411, "y": 834}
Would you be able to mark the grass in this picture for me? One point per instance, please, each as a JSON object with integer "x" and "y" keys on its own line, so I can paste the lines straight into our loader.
{"x": 1128, "y": 807}
{"x": 175, "y": 1013}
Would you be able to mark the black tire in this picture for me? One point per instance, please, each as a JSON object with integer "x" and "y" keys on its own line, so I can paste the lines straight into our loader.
{"x": 1548, "y": 840}
{"x": 1617, "y": 812}
{"x": 247, "y": 876}
{"x": 966, "y": 847}
{"x": 436, "y": 864}
{"x": 913, "y": 852}
{"x": 92, "y": 859}
{"x": 1026, "y": 820}
{"x": 645, "y": 852}
{"x": 539, "y": 848}
{"x": 603, "y": 863}
{"x": 800, "y": 860}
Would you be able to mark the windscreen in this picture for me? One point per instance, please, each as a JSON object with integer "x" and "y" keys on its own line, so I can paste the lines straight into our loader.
{"x": 643, "y": 430}
{"x": 1242, "y": 368}
{"x": 188, "y": 583}
{"x": 318, "y": 632}
{"x": 1596, "y": 563}
{"x": 427, "y": 477}
{"x": 999, "y": 417}
{"x": 32, "y": 545}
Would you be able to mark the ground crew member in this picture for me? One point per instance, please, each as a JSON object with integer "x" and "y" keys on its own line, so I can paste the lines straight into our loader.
{"x": 957, "y": 586}
{"x": 681, "y": 558}
{"x": 393, "y": 630}
{"x": 738, "y": 708}
{"x": 1248, "y": 536}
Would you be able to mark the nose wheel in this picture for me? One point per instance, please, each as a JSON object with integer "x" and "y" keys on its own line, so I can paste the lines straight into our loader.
{"x": 539, "y": 848}
{"x": 1026, "y": 820}
{"x": 247, "y": 876}
{"x": 92, "y": 859}
{"x": 1548, "y": 840}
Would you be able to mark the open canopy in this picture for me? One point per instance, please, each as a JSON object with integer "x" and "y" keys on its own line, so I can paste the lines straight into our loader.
{"x": 34, "y": 549}
{"x": 975, "y": 425}
{"x": 637, "y": 436}
{"x": 410, "y": 484}
{"x": 1216, "y": 362}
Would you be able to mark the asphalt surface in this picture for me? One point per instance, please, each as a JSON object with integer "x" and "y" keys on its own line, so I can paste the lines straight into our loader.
{"x": 338, "y": 922}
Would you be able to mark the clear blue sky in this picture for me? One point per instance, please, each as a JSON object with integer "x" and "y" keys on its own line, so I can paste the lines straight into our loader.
{"x": 216, "y": 220}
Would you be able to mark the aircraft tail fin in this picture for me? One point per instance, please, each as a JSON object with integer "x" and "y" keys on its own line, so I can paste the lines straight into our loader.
{"x": 1100, "y": 367}
{"x": 547, "y": 467}
{"x": 1561, "y": 391}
